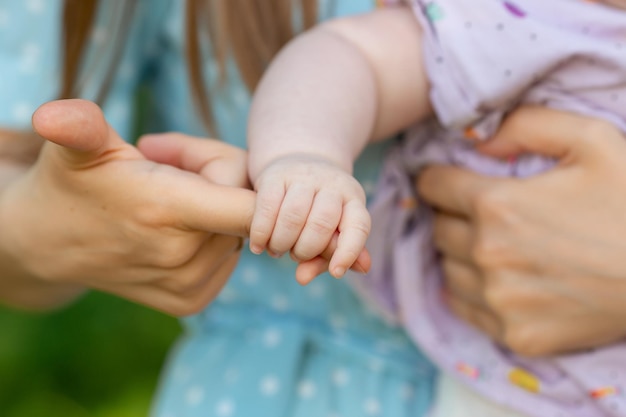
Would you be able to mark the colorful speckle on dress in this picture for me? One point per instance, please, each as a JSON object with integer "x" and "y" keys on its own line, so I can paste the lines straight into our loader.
{"x": 434, "y": 12}
{"x": 524, "y": 379}
{"x": 468, "y": 370}
{"x": 514, "y": 9}
{"x": 603, "y": 392}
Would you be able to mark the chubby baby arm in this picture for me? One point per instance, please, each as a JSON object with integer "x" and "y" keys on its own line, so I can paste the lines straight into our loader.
{"x": 302, "y": 201}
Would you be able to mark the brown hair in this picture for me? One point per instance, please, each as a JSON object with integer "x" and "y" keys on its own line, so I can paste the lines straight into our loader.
{"x": 249, "y": 31}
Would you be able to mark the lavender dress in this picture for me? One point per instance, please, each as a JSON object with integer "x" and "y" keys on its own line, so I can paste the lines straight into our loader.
{"x": 485, "y": 57}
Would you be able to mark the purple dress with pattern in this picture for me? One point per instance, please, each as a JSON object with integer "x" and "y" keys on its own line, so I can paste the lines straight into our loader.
{"x": 484, "y": 58}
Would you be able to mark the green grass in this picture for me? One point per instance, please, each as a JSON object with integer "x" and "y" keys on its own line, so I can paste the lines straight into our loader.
{"x": 97, "y": 358}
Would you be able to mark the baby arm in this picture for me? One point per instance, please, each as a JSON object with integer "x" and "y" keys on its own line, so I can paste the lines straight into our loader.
{"x": 327, "y": 94}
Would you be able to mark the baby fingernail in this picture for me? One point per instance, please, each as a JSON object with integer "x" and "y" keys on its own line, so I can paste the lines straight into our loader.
{"x": 339, "y": 271}
{"x": 256, "y": 249}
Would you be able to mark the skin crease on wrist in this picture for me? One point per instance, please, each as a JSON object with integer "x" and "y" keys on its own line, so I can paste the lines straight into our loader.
{"x": 538, "y": 263}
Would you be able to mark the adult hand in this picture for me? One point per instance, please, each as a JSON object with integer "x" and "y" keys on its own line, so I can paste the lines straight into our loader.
{"x": 538, "y": 264}
{"x": 94, "y": 212}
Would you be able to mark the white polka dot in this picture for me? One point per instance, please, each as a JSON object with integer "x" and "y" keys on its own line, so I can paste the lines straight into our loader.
{"x": 4, "y": 18}
{"x": 29, "y": 58}
{"x": 240, "y": 97}
{"x": 316, "y": 289}
{"x": 251, "y": 335}
{"x": 228, "y": 295}
{"x": 225, "y": 408}
{"x": 99, "y": 35}
{"x": 382, "y": 346}
{"x": 371, "y": 406}
{"x": 306, "y": 389}
{"x": 338, "y": 321}
{"x": 269, "y": 386}
{"x": 340, "y": 377}
{"x": 280, "y": 302}
{"x": 194, "y": 395}
{"x": 35, "y": 6}
{"x": 250, "y": 276}
{"x": 231, "y": 376}
{"x": 181, "y": 374}
{"x": 127, "y": 71}
{"x": 375, "y": 365}
{"x": 22, "y": 112}
{"x": 117, "y": 111}
{"x": 272, "y": 338}
{"x": 407, "y": 392}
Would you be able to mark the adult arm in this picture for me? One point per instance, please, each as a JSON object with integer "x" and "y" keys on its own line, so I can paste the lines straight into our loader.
{"x": 93, "y": 212}
{"x": 538, "y": 263}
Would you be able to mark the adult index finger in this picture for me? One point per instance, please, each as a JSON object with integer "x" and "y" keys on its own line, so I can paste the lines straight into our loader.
{"x": 452, "y": 189}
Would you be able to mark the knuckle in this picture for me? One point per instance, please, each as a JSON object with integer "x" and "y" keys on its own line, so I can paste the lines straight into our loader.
{"x": 304, "y": 253}
{"x": 594, "y": 129}
{"x": 265, "y": 209}
{"x": 499, "y": 298}
{"x": 152, "y": 214}
{"x": 292, "y": 220}
{"x": 184, "y": 283}
{"x": 321, "y": 225}
{"x": 492, "y": 203}
{"x": 486, "y": 252}
{"x": 524, "y": 339}
{"x": 183, "y": 307}
{"x": 172, "y": 253}
{"x": 362, "y": 225}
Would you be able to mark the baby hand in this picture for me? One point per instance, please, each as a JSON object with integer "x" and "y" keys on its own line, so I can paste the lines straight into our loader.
{"x": 302, "y": 200}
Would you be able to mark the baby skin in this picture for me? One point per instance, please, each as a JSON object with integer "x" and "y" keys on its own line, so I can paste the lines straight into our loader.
{"x": 303, "y": 199}
{"x": 326, "y": 95}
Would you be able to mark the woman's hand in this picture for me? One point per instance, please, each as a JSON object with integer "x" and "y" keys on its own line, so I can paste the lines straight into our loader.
{"x": 94, "y": 212}
{"x": 539, "y": 264}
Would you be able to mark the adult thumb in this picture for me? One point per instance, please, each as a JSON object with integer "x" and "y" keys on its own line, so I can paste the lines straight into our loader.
{"x": 80, "y": 129}
{"x": 547, "y": 132}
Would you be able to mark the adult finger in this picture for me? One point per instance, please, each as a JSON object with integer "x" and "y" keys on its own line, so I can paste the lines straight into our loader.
{"x": 464, "y": 282}
{"x": 308, "y": 270}
{"x": 200, "y": 205}
{"x": 217, "y": 161}
{"x": 175, "y": 303}
{"x": 192, "y": 275}
{"x": 453, "y": 236}
{"x": 548, "y": 132}
{"x": 453, "y": 189}
{"x": 83, "y": 135}
{"x": 480, "y": 318}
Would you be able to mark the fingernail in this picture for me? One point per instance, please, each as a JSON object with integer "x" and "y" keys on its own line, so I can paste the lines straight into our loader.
{"x": 339, "y": 271}
{"x": 256, "y": 249}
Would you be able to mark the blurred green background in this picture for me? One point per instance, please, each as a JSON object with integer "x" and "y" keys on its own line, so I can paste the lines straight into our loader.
{"x": 99, "y": 357}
